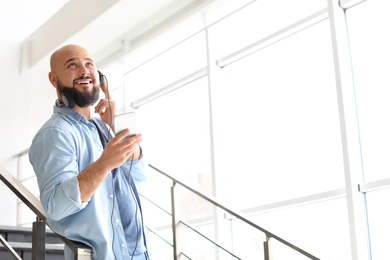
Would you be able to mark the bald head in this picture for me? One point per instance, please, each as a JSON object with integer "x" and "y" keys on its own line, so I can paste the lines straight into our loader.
{"x": 60, "y": 56}
{"x": 72, "y": 67}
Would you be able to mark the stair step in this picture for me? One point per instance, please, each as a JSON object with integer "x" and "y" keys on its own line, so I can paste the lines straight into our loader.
{"x": 20, "y": 239}
{"x": 28, "y": 246}
{"x": 24, "y": 234}
{"x": 24, "y": 250}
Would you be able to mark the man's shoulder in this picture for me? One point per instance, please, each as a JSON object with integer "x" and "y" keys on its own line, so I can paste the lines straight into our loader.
{"x": 59, "y": 121}
{"x": 57, "y": 125}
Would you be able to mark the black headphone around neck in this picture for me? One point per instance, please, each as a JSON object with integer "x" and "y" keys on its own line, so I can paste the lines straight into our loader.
{"x": 69, "y": 101}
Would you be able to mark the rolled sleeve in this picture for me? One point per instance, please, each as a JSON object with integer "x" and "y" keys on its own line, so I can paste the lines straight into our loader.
{"x": 56, "y": 172}
{"x": 64, "y": 200}
{"x": 138, "y": 170}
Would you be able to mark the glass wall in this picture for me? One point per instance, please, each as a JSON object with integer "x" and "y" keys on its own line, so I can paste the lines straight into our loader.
{"x": 263, "y": 133}
{"x": 371, "y": 63}
{"x": 371, "y": 55}
{"x": 281, "y": 105}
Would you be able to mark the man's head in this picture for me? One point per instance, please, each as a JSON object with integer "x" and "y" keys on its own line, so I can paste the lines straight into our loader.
{"x": 74, "y": 74}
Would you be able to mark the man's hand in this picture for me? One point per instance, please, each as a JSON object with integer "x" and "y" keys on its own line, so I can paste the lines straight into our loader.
{"x": 117, "y": 150}
{"x": 106, "y": 107}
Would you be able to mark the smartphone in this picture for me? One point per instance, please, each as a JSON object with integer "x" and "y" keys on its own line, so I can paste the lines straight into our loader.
{"x": 125, "y": 121}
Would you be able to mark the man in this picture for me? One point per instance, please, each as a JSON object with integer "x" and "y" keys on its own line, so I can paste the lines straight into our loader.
{"x": 86, "y": 179}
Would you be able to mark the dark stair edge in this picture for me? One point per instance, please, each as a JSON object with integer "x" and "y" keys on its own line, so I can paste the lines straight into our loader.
{"x": 28, "y": 246}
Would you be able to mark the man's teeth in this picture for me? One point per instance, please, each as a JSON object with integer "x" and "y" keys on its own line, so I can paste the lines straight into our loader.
{"x": 83, "y": 82}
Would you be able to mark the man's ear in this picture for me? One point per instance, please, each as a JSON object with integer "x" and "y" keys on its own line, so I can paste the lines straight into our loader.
{"x": 53, "y": 79}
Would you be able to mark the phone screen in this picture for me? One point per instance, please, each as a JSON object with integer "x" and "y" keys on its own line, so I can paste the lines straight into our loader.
{"x": 125, "y": 121}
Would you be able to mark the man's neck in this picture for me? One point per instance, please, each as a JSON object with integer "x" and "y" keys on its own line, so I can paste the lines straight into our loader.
{"x": 84, "y": 111}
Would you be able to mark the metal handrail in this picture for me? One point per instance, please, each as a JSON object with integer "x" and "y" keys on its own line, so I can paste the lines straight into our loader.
{"x": 209, "y": 239}
{"x": 236, "y": 214}
{"x": 185, "y": 224}
{"x": 9, "y": 248}
{"x": 35, "y": 205}
{"x": 22, "y": 193}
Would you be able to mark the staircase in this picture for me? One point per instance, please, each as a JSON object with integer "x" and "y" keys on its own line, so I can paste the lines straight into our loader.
{"x": 20, "y": 238}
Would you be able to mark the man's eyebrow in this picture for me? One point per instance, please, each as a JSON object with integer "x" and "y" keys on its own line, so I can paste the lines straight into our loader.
{"x": 72, "y": 59}
{"x": 69, "y": 60}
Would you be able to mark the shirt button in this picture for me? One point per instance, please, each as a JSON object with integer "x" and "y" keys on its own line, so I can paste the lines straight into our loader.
{"x": 111, "y": 196}
{"x": 122, "y": 245}
{"x": 117, "y": 220}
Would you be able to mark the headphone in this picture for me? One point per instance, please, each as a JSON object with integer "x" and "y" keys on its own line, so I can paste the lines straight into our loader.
{"x": 69, "y": 101}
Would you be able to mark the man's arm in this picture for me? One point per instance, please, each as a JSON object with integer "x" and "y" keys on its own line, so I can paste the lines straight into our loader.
{"x": 113, "y": 156}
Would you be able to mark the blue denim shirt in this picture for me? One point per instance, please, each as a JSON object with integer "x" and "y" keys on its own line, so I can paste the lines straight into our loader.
{"x": 110, "y": 222}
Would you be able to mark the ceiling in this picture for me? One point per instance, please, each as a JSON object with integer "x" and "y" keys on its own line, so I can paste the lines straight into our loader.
{"x": 20, "y": 18}
{"x": 105, "y": 27}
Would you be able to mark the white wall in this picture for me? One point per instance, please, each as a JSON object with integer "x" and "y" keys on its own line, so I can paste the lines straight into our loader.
{"x": 26, "y": 99}
{"x": 27, "y": 96}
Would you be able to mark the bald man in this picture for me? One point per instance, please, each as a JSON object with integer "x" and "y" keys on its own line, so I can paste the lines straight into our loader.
{"x": 86, "y": 177}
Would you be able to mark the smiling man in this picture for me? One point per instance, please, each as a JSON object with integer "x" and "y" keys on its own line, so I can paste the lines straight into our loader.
{"x": 79, "y": 87}
{"x": 86, "y": 177}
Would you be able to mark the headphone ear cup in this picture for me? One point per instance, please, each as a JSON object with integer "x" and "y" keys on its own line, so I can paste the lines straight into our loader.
{"x": 101, "y": 77}
{"x": 68, "y": 100}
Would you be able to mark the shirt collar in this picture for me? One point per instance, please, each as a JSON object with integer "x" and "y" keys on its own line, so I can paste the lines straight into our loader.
{"x": 70, "y": 113}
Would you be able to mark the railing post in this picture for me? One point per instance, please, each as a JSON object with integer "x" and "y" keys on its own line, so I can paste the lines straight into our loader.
{"x": 38, "y": 240}
{"x": 268, "y": 255}
{"x": 175, "y": 226}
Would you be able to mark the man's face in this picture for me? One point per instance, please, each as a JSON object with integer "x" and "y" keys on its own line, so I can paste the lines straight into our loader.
{"x": 73, "y": 71}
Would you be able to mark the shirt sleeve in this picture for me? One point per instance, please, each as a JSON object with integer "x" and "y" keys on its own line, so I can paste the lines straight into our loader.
{"x": 53, "y": 155}
{"x": 138, "y": 169}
